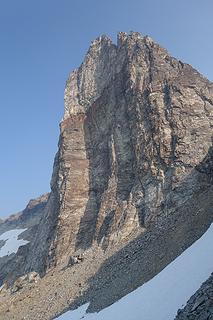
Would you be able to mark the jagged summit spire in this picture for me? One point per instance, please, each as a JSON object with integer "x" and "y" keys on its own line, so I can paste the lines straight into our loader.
{"x": 121, "y": 38}
{"x": 103, "y": 61}
{"x": 102, "y": 39}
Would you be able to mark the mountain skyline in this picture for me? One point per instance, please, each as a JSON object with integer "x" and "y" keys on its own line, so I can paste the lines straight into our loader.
{"x": 131, "y": 187}
{"x": 42, "y": 42}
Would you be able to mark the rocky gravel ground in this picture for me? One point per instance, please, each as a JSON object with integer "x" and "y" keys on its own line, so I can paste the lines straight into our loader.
{"x": 104, "y": 277}
{"x": 49, "y": 296}
{"x": 54, "y": 293}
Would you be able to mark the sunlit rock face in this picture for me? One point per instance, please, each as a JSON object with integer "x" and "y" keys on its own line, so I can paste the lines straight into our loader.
{"x": 135, "y": 147}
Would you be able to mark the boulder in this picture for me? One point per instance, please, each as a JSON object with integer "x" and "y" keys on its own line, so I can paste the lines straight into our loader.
{"x": 21, "y": 282}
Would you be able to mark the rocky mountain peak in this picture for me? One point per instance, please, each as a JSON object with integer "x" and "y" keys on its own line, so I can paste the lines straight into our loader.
{"x": 38, "y": 201}
{"x": 86, "y": 84}
{"x": 133, "y": 149}
{"x": 99, "y": 43}
{"x": 101, "y": 64}
{"x": 132, "y": 183}
{"x": 137, "y": 122}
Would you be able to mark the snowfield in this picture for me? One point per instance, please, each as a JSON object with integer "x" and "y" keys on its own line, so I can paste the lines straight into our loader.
{"x": 163, "y": 295}
{"x": 12, "y": 242}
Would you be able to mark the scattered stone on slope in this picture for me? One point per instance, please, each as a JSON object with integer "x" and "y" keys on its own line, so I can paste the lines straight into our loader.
{"x": 32, "y": 277}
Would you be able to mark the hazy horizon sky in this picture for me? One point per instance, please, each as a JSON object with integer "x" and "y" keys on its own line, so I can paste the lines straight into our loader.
{"x": 42, "y": 42}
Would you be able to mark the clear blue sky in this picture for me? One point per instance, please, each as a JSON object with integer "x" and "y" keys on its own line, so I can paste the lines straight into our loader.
{"x": 42, "y": 41}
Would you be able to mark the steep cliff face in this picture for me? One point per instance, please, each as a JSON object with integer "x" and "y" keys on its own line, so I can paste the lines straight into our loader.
{"x": 135, "y": 147}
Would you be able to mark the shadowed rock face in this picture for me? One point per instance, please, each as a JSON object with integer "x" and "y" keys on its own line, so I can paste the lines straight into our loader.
{"x": 137, "y": 127}
{"x": 200, "y": 305}
{"x": 13, "y": 265}
{"x": 27, "y": 218}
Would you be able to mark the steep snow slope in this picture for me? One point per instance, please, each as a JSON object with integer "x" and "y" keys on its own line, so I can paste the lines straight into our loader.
{"x": 12, "y": 243}
{"x": 162, "y": 296}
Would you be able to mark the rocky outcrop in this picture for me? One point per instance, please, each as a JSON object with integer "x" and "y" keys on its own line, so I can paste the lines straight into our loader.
{"x": 133, "y": 149}
{"x": 13, "y": 265}
{"x": 27, "y": 218}
{"x": 132, "y": 183}
{"x": 23, "y": 281}
{"x": 200, "y": 305}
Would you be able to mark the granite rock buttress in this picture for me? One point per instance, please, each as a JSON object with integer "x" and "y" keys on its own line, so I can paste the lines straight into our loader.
{"x": 136, "y": 131}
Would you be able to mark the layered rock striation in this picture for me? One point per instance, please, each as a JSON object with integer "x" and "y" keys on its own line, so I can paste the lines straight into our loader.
{"x": 135, "y": 147}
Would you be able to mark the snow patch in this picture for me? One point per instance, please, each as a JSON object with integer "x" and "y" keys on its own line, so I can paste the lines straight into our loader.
{"x": 163, "y": 295}
{"x": 12, "y": 242}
